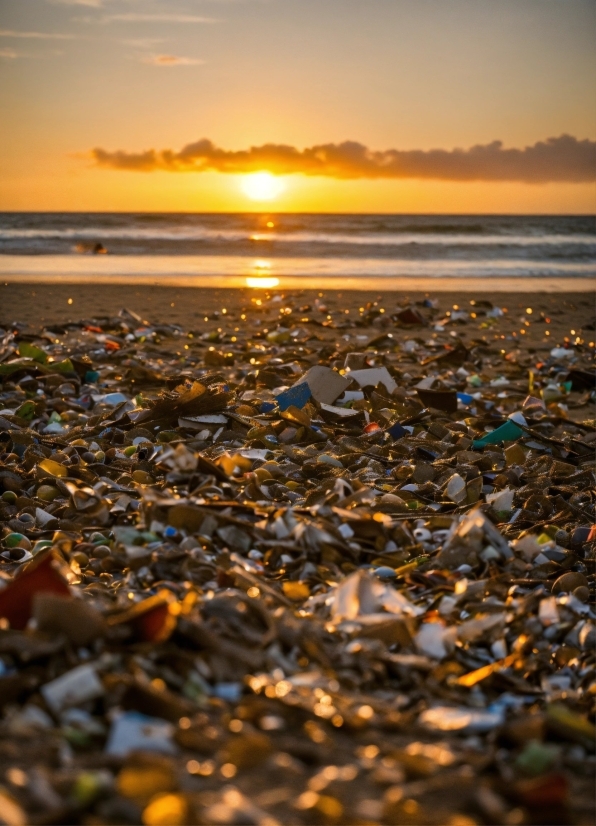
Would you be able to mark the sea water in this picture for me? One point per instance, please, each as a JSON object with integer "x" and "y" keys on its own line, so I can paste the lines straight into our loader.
{"x": 302, "y": 246}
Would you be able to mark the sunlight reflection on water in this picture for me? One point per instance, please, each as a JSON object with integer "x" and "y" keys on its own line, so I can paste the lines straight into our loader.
{"x": 263, "y": 282}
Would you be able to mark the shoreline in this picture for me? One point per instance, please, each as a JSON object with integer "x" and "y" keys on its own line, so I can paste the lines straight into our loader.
{"x": 408, "y": 284}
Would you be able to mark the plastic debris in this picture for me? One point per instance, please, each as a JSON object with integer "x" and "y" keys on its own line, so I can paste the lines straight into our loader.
{"x": 72, "y": 688}
{"x": 335, "y": 570}
{"x": 138, "y": 732}
{"x": 325, "y": 385}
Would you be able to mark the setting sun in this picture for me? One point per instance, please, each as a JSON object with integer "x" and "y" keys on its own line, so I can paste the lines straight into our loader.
{"x": 262, "y": 186}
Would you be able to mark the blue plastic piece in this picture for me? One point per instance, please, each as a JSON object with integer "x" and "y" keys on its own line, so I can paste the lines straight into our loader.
{"x": 114, "y": 398}
{"x": 266, "y": 407}
{"x": 465, "y": 398}
{"x": 91, "y": 376}
{"x": 170, "y": 531}
{"x": 295, "y": 396}
{"x": 396, "y": 431}
{"x": 228, "y": 691}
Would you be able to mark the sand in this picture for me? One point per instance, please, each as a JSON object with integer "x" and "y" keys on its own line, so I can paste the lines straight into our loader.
{"x": 571, "y": 314}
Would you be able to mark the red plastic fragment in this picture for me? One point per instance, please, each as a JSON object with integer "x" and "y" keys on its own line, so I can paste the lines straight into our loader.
{"x": 547, "y": 790}
{"x": 39, "y": 576}
{"x": 151, "y": 620}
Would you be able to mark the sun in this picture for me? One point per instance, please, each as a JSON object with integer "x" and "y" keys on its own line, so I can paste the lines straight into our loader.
{"x": 262, "y": 186}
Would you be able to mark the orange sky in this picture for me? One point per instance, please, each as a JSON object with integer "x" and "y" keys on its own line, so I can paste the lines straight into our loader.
{"x": 133, "y": 75}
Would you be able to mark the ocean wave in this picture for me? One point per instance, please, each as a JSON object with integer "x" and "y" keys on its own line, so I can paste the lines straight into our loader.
{"x": 190, "y": 233}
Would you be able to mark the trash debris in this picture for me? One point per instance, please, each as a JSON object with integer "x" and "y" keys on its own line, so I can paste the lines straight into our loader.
{"x": 333, "y": 571}
{"x": 132, "y": 731}
{"x": 373, "y": 376}
{"x": 325, "y": 385}
{"x": 73, "y": 688}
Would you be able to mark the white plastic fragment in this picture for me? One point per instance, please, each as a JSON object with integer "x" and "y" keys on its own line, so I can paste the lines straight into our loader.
{"x": 456, "y": 489}
{"x": 527, "y": 547}
{"x": 548, "y": 613}
{"x": 208, "y": 418}
{"x": 344, "y": 412}
{"x": 77, "y": 686}
{"x": 518, "y": 418}
{"x": 351, "y": 396}
{"x": 448, "y": 718}
{"x": 132, "y": 731}
{"x": 502, "y": 500}
{"x": 43, "y": 517}
{"x": 372, "y": 376}
{"x": 434, "y": 640}
{"x": 562, "y": 353}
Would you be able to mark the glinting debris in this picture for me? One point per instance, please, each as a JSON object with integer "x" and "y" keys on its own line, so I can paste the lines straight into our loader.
{"x": 238, "y": 577}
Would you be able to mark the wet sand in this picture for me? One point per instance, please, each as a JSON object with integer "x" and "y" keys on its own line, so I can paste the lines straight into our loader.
{"x": 36, "y": 304}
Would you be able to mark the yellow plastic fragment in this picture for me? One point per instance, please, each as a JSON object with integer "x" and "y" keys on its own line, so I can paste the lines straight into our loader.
{"x": 166, "y": 810}
{"x": 296, "y": 590}
{"x": 142, "y": 782}
{"x": 53, "y": 468}
{"x": 405, "y": 569}
{"x": 294, "y": 414}
{"x": 473, "y": 677}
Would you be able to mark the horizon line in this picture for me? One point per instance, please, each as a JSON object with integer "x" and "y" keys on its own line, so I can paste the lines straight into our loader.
{"x": 294, "y": 212}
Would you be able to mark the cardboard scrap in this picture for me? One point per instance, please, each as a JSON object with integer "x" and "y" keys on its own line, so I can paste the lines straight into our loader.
{"x": 326, "y": 385}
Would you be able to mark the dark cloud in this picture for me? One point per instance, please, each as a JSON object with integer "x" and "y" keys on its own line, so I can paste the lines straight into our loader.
{"x": 555, "y": 159}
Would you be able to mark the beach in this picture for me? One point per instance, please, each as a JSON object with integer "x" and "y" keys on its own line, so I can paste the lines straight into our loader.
{"x": 40, "y": 303}
{"x": 297, "y": 414}
{"x": 260, "y": 544}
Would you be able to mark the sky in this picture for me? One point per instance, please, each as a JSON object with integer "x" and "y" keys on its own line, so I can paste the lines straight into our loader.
{"x": 434, "y": 106}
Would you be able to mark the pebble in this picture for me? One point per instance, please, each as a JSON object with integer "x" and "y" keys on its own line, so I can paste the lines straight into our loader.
{"x": 384, "y": 572}
{"x": 569, "y": 582}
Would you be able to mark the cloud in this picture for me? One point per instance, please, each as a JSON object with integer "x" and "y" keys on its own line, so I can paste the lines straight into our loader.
{"x": 95, "y": 4}
{"x": 555, "y": 159}
{"x": 136, "y": 17}
{"x": 142, "y": 42}
{"x": 35, "y": 35}
{"x": 12, "y": 54}
{"x": 172, "y": 60}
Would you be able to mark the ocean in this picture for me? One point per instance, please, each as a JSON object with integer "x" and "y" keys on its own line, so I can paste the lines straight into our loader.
{"x": 226, "y": 249}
